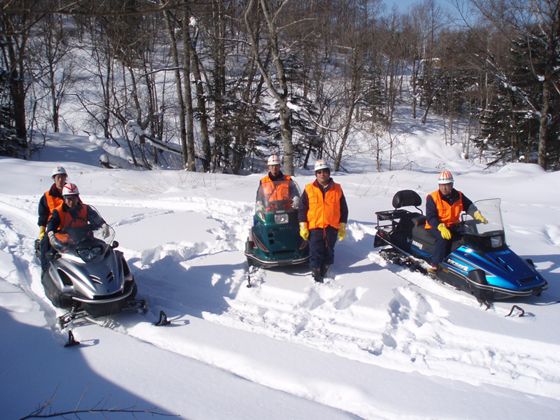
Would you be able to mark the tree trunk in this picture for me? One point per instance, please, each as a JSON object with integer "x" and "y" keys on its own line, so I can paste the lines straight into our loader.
{"x": 178, "y": 87}
{"x": 191, "y": 165}
{"x": 543, "y": 123}
{"x": 279, "y": 89}
{"x": 15, "y": 61}
{"x": 219, "y": 76}
{"x": 353, "y": 94}
{"x": 200, "y": 103}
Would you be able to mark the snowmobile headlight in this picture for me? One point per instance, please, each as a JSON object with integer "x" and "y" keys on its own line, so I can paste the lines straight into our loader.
{"x": 496, "y": 241}
{"x": 88, "y": 254}
{"x": 281, "y": 218}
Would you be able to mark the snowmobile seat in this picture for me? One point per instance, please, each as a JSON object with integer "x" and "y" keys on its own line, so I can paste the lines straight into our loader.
{"x": 420, "y": 232}
{"x": 419, "y": 220}
{"x": 405, "y": 198}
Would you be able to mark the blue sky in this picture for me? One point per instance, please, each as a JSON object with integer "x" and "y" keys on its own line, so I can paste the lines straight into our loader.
{"x": 404, "y": 5}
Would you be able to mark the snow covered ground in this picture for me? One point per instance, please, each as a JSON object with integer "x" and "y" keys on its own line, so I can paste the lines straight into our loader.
{"x": 376, "y": 342}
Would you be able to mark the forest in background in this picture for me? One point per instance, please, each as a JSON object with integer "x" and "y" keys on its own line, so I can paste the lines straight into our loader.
{"x": 215, "y": 85}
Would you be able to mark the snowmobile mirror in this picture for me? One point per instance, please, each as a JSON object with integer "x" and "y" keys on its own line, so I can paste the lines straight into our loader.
{"x": 114, "y": 244}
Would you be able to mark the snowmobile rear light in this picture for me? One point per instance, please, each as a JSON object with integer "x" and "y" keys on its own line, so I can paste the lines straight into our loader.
{"x": 281, "y": 218}
{"x": 88, "y": 254}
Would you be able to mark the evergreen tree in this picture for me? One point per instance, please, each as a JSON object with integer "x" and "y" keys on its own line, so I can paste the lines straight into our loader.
{"x": 509, "y": 128}
{"x": 9, "y": 142}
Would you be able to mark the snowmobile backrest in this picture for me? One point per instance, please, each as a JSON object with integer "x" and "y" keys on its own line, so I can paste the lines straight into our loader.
{"x": 406, "y": 198}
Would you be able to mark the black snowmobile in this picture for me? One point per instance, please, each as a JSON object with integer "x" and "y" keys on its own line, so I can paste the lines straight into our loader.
{"x": 88, "y": 276}
{"x": 480, "y": 262}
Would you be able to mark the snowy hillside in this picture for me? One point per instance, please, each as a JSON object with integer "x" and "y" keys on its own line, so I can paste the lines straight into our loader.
{"x": 376, "y": 342}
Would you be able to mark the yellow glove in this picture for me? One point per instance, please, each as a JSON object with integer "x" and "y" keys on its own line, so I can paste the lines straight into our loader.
{"x": 41, "y": 232}
{"x": 342, "y": 231}
{"x": 303, "y": 231}
{"x": 479, "y": 217}
{"x": 445, "y": 233}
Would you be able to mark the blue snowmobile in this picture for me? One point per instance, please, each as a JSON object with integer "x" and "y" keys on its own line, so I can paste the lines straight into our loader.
{"x": 480, "y": 261}
{"x": 274, "y": 237}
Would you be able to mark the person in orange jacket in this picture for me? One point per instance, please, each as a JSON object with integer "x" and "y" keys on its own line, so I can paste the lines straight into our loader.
{"x": 72, "y": 214}
{"x": 323, "y": 214}
{"x": 50, "y": 200}
{"x": 443, "y": 211}
{"x": 277, "y": 187}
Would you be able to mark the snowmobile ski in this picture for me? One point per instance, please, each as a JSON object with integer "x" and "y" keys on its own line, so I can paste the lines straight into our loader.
{"x": 162, "y": 321}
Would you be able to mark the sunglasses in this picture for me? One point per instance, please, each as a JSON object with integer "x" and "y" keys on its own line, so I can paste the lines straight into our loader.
{"x": 70, "y": 197}
{"x": 323, "y": 171}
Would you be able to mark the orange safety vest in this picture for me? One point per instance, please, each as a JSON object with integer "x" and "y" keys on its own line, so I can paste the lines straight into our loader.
{"x": 324, "y": 210}
{"x": 52, "y": 202}
{"x": 448, "y": 213}
{"x": 67, "y": 221}
{"x": 276, "y": 190}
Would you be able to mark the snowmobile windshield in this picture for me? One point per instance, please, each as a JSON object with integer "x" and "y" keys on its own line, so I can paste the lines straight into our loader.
{"x": 277, "y": 197}
{"x": 490, "y": 210}
{"x": 88, "y": 242}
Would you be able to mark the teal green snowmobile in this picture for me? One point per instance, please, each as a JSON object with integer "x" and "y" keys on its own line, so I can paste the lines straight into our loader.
{"x": 274, "y": 237}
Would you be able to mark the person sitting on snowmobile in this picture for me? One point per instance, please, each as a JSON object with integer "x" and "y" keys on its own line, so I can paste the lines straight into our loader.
{"x": 50, "y": 200}
{"x": 323, "y": 215}
{"x": 443, "y": 210}
{"x": 276, "y": 186}
{"x": 72, "y": 214}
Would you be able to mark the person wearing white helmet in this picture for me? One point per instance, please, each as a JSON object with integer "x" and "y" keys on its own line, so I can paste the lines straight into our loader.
{"x": 276, "y": 186}
{"x": 323, "y": 214}
{"x": 51, "y": 199}
{"x": 443, "y": 210}
{"x": 72, "y": 214}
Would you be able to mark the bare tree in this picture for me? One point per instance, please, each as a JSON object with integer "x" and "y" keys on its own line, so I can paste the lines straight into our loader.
{"x": 52, "y": 62}
{"x": 16, "y": 21}
{"x": 277, "y": 86}
{"x": 178, "y": 85}
{"x": 196, "y": 65}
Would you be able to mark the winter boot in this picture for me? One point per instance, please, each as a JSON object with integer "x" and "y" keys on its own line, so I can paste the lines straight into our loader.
{"x": 316, "y": 273}
{"x": 325, "y": 269}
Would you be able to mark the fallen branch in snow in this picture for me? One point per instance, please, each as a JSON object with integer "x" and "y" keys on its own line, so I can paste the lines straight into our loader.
{"x": 37, "y": 414}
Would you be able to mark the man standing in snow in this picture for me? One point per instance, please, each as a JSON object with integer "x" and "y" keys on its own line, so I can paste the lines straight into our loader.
{"x": 276, "y": 186}
{"x": 443, "y": 210}
{"x": 50, "y": 200}
{"x": 323, "y": 215}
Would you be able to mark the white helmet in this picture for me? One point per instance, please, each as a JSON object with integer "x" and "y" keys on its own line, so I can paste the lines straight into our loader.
{"x": 70, "y": 189}
{"x": 273, "y": 160}
{"x": 321, "y": 164}
{"x": 445, "y": 177}
{"x": 59, "y": 170}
